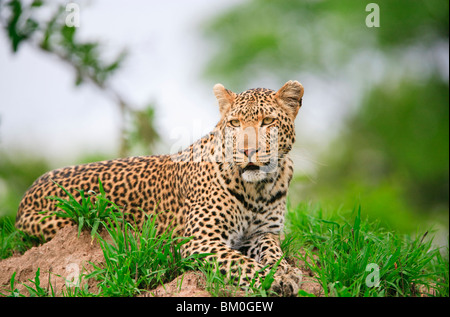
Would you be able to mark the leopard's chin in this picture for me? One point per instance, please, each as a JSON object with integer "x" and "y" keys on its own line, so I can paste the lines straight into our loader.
{"x": 253, "y": 176}
{"x": 253, "y": 173}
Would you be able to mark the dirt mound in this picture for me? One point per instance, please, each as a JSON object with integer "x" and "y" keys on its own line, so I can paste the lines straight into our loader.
{"x": 62, "y": 259}
{"x": 67, "y": 256}
{"x": 190, "y": 284}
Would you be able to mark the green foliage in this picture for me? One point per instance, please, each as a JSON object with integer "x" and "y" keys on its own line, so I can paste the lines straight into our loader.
{"x": 34, "y": 290}
{"x": 12, "y": 240}
{"x": 13, "y": 291}
{"x": 219, "y": 284}
{"x": 142, "y": 134}
{"x": 20, "y": 28}
{"x": 139, "y": 258}
{"x": 393, "y": 156}
{"x": 341, "y": 253}
{"x": 417, "y": 114}
{"x": 282, "y": 38}
{"x": 17, "y": 173}
{"x": 59, "y": 39}
{"x": 89, "y": 211}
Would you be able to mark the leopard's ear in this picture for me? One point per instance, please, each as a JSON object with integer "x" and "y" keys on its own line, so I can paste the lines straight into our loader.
{"x": 225, "y": 98}
{"x": 290, "y": 97}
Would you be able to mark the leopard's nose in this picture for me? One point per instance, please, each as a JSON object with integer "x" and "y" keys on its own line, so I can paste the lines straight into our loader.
{"x": 248, "y": 152}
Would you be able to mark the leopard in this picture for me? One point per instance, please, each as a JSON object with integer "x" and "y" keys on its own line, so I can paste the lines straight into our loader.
{"x": 226, "y": 192}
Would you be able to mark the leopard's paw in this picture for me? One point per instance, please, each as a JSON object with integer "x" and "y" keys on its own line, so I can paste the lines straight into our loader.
{"x": 287, "y": 284}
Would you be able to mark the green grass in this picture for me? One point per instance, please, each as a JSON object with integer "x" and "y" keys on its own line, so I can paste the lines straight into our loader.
{"x": 12, "y": 240}
{"x": 225, "y": 285}
{"x": 90, "y": 211}
{"x": 139, "y": 259}
{"x": 349, "y": 255}
{"x": 353, "y": 257}
{"x": 34, "y": 290}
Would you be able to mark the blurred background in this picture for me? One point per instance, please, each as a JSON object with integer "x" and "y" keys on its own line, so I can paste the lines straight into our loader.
{"x": 82, "y": 81}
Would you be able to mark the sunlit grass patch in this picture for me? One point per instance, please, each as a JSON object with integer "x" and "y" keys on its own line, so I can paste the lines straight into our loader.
{"x": 353, "y": 257}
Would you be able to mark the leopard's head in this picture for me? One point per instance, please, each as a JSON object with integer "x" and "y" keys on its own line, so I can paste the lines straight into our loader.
{"x": 257, "y": 127}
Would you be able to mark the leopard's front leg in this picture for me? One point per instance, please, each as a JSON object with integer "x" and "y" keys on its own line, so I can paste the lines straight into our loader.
{"x": 265, "y": 248}
{"x": 207, "y": 236}
{"x": 232, "y": 264}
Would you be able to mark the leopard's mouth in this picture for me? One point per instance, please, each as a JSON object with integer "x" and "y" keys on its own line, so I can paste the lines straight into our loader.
{"x": 257, "y": 172}
{"x": 251, "y": 167}
{"x": 254, "y": 167}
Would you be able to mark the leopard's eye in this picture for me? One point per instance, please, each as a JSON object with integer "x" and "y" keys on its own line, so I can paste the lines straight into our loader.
{"x": 267, "y": 121}
{"x": 235, "y": 123}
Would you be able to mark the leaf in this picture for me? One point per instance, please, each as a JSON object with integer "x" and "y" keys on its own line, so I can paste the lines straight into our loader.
{"x": 357, "y": 226}
{"x": 68, "y": 34}
{"x": 330, "y": 222}
{"x": 37, "y": 3}
{"x": 13, "y": 33}
{"x": 37, "y": 280}
{"x": 304, "y": 293}
{"x": 13, "y": 277}
{"x": 80, "y": 224}
{"x": 268, "y": 280}
{"x": 95, "y": 227}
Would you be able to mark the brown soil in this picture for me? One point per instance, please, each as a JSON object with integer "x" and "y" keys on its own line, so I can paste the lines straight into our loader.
{"x": 190, "y": 284}
{"x": 67, "y": 256}
{"x": 64, "y": 257}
